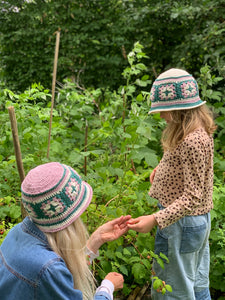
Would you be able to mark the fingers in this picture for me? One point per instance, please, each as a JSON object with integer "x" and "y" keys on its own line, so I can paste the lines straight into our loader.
{"x": 152, "y": 175}
{"x": 116, "y": 221}
{"x": 134, "y": 224}
{"x": 121, "y": 220}
{"x": 133, "y": 221}
{"x": 126, "y": 218}
{"x": 151, "y": 178}
{"x": 135, "y": 227}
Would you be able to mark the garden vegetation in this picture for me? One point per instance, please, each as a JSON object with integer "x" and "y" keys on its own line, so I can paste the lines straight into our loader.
{"x": 101, "y": 125}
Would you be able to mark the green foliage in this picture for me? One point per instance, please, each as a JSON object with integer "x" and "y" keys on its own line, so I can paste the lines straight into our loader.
{"x": 4, "y": 229}
{"x": 161, "y": 286}
{"x": 210, "y": 92}
{"x": 32, "y": 114}
{"x": 92, "y": 36}
{"x": 10, "y": 214}
{"x": 10, "y": 207}
{"x": 214, "y": 96}
{"x": 96, "y": 37}
{"x": 110, "y": 139}
{"x": 217, "y": 239}
{"x": 117, "y": 153}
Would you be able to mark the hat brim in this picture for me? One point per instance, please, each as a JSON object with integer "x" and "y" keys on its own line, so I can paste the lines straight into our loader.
{"x": 175, "y": 107}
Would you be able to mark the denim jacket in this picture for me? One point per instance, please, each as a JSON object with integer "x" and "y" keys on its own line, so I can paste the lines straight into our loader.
{"x": 29, "y": 269}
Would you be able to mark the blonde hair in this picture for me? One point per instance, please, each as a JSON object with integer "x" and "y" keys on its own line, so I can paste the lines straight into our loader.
{"x": 70, "y": 244}
{"x": 184, "y": 122}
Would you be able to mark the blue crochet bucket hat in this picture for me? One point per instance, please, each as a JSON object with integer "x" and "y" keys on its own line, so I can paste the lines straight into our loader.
{"x": 174, "y": 89}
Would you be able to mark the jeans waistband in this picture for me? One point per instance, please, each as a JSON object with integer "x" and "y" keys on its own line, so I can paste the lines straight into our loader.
{"x": 160, "y": 206}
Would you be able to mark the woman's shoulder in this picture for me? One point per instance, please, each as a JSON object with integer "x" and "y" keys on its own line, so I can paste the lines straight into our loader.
{"x": 197, "y": 136}
{"x": 198, "y": 139}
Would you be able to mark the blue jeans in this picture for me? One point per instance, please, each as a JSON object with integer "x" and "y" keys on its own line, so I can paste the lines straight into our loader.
{"x": 185, "y": 243}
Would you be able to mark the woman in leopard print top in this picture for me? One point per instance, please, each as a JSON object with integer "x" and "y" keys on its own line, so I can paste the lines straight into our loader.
{"x": 183, "y": 184}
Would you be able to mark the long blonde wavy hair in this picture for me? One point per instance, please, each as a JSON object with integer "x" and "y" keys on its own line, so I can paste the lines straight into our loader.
{"x": 70, "y": 244}
{"x": 184, "y": 122}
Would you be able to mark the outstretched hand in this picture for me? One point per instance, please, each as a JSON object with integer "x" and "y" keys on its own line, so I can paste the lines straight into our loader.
{"x": 109, "y": 231}
{"x": 142, "y": 224}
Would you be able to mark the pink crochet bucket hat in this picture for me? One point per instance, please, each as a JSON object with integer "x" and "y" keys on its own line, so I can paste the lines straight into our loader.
{"x": 54, "y": 196}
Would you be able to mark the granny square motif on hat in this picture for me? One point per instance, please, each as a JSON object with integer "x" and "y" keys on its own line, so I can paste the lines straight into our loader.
{"x": 54, "y": 196}
{"x": 174, "y": 90}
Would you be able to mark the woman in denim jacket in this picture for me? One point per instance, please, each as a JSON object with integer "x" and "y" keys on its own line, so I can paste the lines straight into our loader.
{"x": 183, "y": 184}
{"x": 45, "y": 256}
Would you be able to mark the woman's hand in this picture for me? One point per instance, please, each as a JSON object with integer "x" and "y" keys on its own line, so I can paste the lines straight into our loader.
{"x": 116, "y": 279}
{"x": 152, "y": 175}
{"x": 109, "y": 231}
{"x": 142, "y": 224}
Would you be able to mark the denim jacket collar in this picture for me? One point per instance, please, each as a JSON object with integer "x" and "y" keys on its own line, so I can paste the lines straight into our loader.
{"x": 29, "y": 227}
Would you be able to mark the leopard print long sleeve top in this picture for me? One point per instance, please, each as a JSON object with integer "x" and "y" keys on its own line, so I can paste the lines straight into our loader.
{"x": 183, "y": 182}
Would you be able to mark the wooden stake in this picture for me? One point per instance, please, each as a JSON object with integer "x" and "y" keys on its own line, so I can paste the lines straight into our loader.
{"x": 53, "y": 87}
{"x": 85, "y": 148}
{"x": 17, "y": 150}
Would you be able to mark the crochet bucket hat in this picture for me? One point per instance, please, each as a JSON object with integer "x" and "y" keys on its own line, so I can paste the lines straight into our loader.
{"x": 54, "y": 196}
{"x": 174, "y": 89}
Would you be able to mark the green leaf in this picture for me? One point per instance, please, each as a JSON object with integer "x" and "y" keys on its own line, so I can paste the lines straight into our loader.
{"x": 169, "y": 288}
{"x": 145, "y": 77}
{"x": 164, "y": 257}
{"x": 126, "y": 252}
{"x": 138, "y": 270}
{"x": 160, "y": 262}
{"x": 157, "y": 284}
{"x": 142, "y": 83}
{"x": 134, "y": 259}
{"x": 146, "y": 263}
{"x": 106, "y": 266}
{"x": 119, "y": 254}
{"x": 15, "y": 211}
{"x": 144, "y": 130}
{"x": 123, "y": 270}
{"x": 95, "y": 42}
{"x": 139, "y": 97}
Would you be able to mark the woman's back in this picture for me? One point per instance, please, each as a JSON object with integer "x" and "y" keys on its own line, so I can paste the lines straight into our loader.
{"x": 30, "y": 269}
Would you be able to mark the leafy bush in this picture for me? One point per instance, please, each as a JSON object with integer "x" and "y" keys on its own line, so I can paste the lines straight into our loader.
{"x": 217, "y": 239}
{"x": 96, "y": 37}
{"x": 114, "y": 144}
{"x": 10, "y": 214}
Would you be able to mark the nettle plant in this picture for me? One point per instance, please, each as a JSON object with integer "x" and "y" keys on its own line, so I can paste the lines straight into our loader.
{"x": 119, "y": 174}
{"x": 217, "y": 238}
{"x": 112, "y": 142}
{"x": 110, "y": 139}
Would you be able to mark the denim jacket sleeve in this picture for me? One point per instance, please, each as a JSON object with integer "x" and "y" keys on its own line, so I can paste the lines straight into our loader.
{"x": 56, "y": 283}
